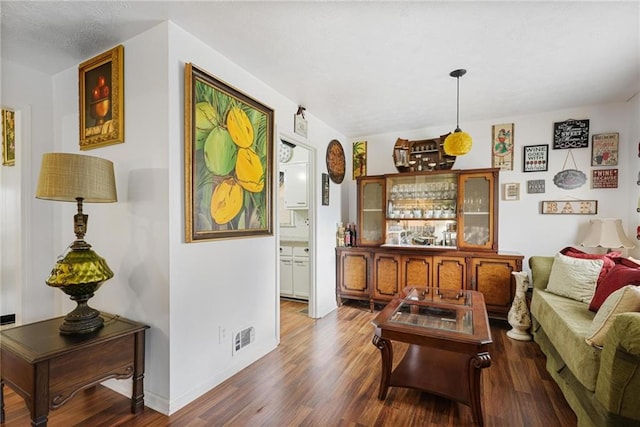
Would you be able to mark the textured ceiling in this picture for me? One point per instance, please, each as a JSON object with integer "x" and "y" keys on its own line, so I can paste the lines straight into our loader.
{"x": 371, "y": 67}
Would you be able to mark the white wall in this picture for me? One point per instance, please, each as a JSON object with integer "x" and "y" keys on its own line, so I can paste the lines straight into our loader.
{"x": 27, "y": 223}
{"x": 225, "y": 284}
{"x": 132, "y": 235}
{"x": 521, "y": 226}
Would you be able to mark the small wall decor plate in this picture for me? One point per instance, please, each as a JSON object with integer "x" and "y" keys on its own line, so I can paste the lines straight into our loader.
{"x": 569, "y": 179}
{"x": 335, "y": 161}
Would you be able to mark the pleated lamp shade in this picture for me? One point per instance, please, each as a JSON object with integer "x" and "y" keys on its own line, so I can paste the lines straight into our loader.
{"x": 606, "y": 233}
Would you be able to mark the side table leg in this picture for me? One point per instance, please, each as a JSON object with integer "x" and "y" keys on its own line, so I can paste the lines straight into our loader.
{"x": 137, "y": 395}
{"x": 386, "y": 353}
{"x": 476, "y": 364}
{"x": 1, "y": 401}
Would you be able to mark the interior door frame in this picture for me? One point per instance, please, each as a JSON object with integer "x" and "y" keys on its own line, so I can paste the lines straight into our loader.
{"x": 312, "y": 212}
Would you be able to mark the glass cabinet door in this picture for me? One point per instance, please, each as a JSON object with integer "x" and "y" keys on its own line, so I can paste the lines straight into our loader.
{"x": 478, "y": 221}
{"x": 371, "y": 211}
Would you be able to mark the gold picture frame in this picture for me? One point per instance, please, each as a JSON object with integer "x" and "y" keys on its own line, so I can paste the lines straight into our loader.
{"x": 8, "y": 137}
{"x": 228, "y": 160}
{"x": 101, "y": 95}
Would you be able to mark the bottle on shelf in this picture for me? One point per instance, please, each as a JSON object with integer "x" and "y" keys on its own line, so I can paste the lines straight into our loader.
{"x": 340, "y": 235}
{"x": 347, "y": 235}
{"x": 354, "y": 240}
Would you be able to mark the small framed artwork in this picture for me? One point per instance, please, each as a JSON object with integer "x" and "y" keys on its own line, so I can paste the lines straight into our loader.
{"x": 535, "y": 158}
{"x": 228, "y": 157}
{"x": 325, "y": 189}
{"x": 604, "y": 178}
{"x": 604, "y": 149}
{"x": 502, "y": 146}
{"x": 101, "y": 82}
{"x": 511, "y": 191}
{"x": 535, "y": 186}
{"x": 359, "y": 159}
{"x": 571, "y": 134}
{"x": 569, "y": 207}
{"x": 8, "y": 137}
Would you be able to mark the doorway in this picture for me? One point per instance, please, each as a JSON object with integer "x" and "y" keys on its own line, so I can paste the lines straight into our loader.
{"x": 296, "y": 225}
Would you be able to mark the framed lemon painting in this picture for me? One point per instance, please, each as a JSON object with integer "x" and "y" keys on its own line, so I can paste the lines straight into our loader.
{"x": 228, "y": 160}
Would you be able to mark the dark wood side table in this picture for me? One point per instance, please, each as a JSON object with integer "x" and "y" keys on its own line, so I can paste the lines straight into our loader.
{"x": 47, "y": 368}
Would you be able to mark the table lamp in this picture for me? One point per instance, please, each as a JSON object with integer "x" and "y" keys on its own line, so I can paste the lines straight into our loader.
{"x": 67, "y": 177}
{"x": 606, "y": 233}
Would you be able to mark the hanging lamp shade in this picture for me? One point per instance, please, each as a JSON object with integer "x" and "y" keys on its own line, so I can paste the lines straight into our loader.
{"x": 458, "y": 143}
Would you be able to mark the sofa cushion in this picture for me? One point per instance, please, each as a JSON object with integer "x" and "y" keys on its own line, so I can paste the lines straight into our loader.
{"x": 574, "y": 278}
{"x": 567, "y": 323}
{"x": 620, "y": 275}
{"x": 623, "y": 300}
{"x": 608, "y": 260}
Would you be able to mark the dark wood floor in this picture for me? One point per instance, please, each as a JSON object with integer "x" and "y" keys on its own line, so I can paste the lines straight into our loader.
{"x": 326, "y": 373}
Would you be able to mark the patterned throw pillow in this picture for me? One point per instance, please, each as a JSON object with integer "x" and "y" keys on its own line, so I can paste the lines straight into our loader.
{"x": 574, "y": 278}
{"x": 623, "y": 300}
{"x": 607, "y": 259}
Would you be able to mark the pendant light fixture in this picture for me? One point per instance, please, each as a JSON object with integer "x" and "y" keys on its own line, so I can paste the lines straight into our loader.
{"x": 457, "y": 143}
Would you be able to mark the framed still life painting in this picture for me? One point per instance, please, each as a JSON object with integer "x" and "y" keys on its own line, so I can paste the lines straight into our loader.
{"x": 101, "y": 85}
{"x": 228, "y": 160}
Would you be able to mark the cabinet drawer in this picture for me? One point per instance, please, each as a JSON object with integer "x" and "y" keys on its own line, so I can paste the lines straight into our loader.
{"x": 286, "y": 251}
{"x": 301, "y": 251}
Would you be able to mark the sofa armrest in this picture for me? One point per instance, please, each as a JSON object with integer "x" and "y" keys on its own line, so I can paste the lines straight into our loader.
{"x": 540, "y": 270}
{"x": 618, "y": 383}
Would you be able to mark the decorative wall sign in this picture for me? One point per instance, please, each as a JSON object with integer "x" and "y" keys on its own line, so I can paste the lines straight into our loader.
{"x": 8, "y": 137}
{"x": 569, "y": 207}
{"x": 325, "y": 189}
{"x": 604, "y": 178}
{"x": 228, "y": 160}
{"x": 604, "y": 149}
{"x": 571, "y": 134}
{"x": 359, "y": 159}
{"x": 502, "y": 146}
{"x": 535, "y": 186}
{"x": 535, "y": 158}
{"x": 101, "y": 81}
{"x": 300, "y": 125}
{"x": 511, "y": 191}
{"x": 569, "y": 179}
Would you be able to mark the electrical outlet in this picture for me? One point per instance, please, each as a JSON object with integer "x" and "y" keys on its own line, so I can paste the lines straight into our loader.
{"x": 222, "y": 335}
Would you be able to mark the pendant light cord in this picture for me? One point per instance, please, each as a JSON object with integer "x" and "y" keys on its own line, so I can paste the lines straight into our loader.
{"x": 458, "y": 103}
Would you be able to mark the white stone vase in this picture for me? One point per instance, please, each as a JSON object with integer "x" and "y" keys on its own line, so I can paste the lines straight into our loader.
{"x": 519, "y": 317}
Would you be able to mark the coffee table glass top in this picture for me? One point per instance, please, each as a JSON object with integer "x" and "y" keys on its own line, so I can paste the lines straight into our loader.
{"x": 433, "y": 308}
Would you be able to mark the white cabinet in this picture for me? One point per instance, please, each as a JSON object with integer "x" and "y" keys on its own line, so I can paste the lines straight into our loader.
{"x": 295, "y": 185}
{"x": 301, "y": 272}
{"x": 294, "y": 272}
{"x": 286, "y": 271}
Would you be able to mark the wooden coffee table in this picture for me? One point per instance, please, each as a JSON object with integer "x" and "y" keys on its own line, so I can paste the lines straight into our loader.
{"x": 449, "y": 336}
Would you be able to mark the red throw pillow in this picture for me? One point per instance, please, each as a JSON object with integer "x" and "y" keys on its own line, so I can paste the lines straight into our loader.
{"x": 607, "y": 259}
{"x": 618, "y": 277}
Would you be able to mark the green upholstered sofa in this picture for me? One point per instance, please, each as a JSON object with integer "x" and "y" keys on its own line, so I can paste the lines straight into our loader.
{"x": 602, "y": 385}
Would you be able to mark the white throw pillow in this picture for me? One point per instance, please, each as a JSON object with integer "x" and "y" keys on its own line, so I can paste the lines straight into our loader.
{"x": 623, "y": 300}
{"x": 574, "y": 278}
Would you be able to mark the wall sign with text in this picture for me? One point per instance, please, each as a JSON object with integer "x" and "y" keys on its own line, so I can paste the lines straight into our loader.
{"x": 571, "y": 134}
{"x": 536, "y": 158}
{"x": 604, "y": 178}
